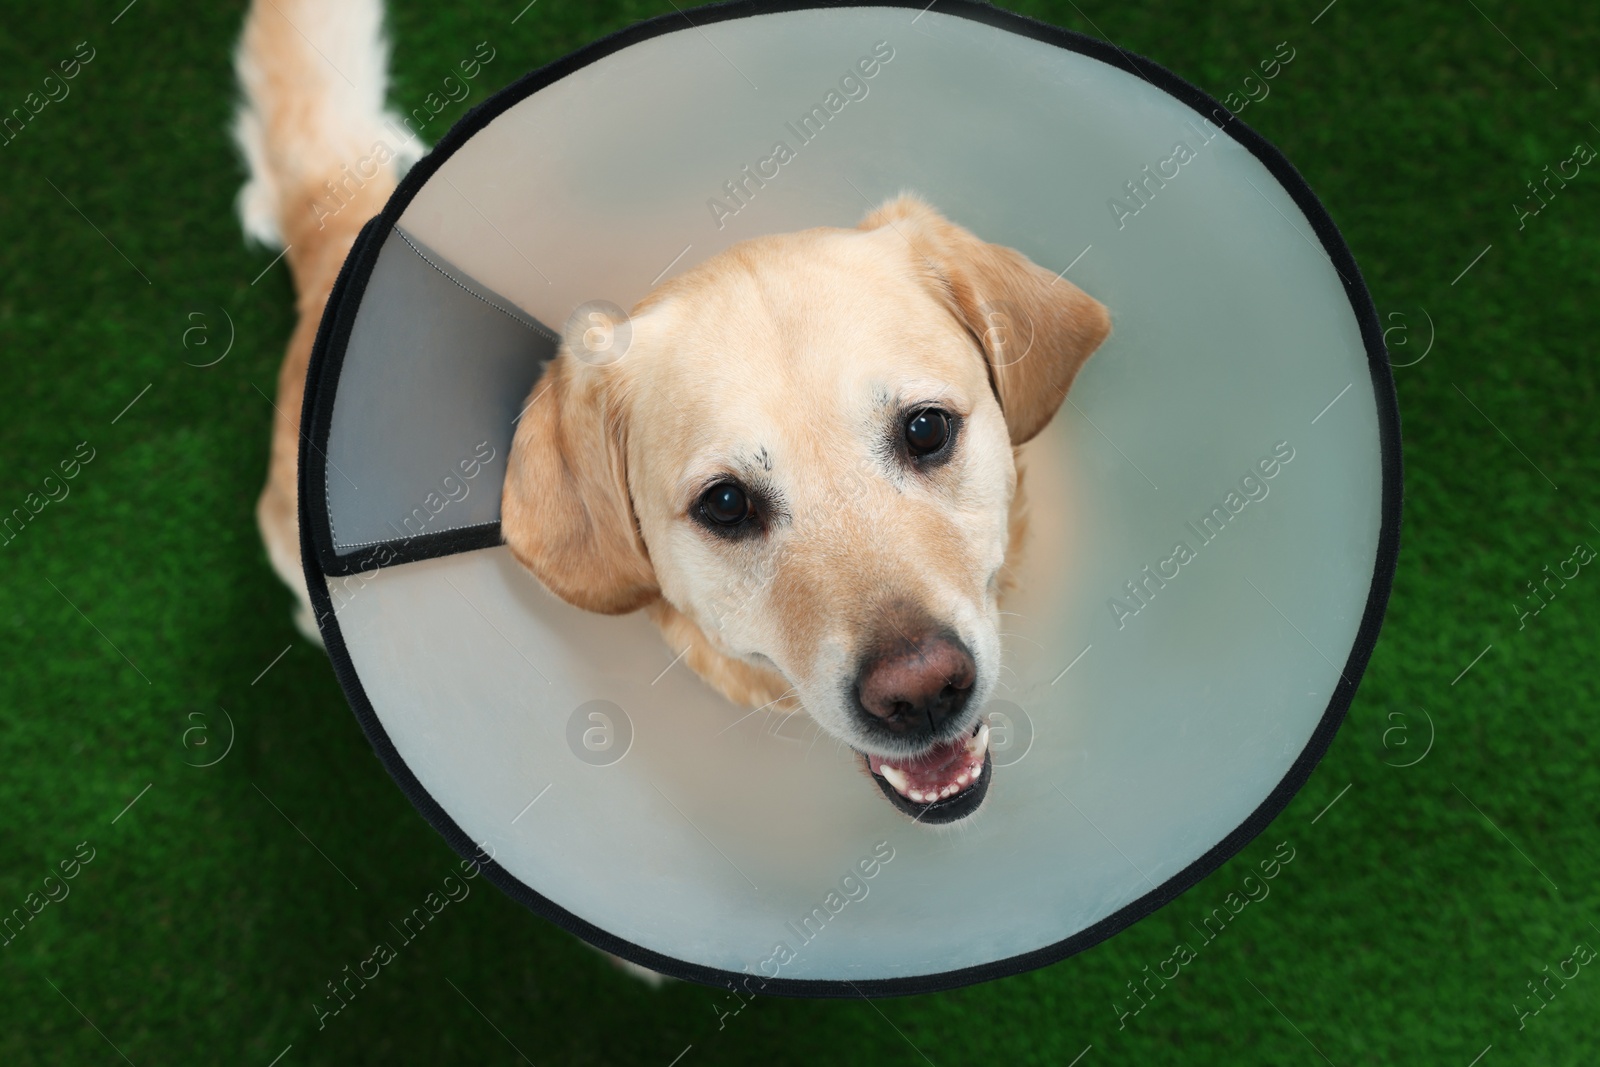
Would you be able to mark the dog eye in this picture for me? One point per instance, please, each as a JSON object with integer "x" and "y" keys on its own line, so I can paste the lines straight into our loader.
{"x": 927, "y": 431}
{"x": 726, "y": 504}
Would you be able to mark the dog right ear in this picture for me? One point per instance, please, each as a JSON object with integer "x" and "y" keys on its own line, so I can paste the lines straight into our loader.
{"x": 999, "y": 293}
{"x": 565, "y": 511}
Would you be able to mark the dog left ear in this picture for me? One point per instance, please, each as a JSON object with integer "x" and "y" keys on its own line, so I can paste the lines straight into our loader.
{"x": 565, "y": 510}
{"x": 1035, "y": 328}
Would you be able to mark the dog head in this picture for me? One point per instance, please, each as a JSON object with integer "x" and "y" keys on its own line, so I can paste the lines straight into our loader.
{"x": 807, "y": 450}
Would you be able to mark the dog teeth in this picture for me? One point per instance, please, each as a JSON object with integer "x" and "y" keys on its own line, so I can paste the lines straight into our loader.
{"x": 976, "y": 746}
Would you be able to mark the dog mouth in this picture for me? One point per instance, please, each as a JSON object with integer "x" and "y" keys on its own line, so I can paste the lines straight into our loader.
{"x": 945, "y": 783}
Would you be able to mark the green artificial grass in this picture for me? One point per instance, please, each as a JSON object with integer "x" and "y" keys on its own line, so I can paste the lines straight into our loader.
{"x": 1407, "y": 927}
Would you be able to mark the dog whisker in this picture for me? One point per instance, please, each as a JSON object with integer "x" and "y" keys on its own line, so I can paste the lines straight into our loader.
{"x": 737, "y": 721}
{"x": 752, "y": 711}
{"x": 1023, "y": 637}
{"x": 813, "y": 744}
{"x": 775, "y": 722}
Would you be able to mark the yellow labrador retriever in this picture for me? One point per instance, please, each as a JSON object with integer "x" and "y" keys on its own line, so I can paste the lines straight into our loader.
{"x": 805, "y": 468}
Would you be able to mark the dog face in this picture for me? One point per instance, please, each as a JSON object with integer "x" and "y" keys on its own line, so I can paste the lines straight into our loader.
{"x": 807, "y": 450}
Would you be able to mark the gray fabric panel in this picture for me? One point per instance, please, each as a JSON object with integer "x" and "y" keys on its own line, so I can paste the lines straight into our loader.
{"x": 436, "y": 371}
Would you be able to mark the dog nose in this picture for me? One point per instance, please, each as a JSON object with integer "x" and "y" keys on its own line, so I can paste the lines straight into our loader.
{"x": 915, "y": 685}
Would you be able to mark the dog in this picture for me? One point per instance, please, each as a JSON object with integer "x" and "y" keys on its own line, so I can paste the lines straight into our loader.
{"x": 805, "y": 468}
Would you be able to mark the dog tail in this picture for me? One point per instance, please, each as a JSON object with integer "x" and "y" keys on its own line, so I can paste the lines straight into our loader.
{"x": 320, "y": 146}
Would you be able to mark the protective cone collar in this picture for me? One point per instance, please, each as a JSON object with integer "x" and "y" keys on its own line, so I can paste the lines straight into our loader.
{"x": 1164, "y": 705}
